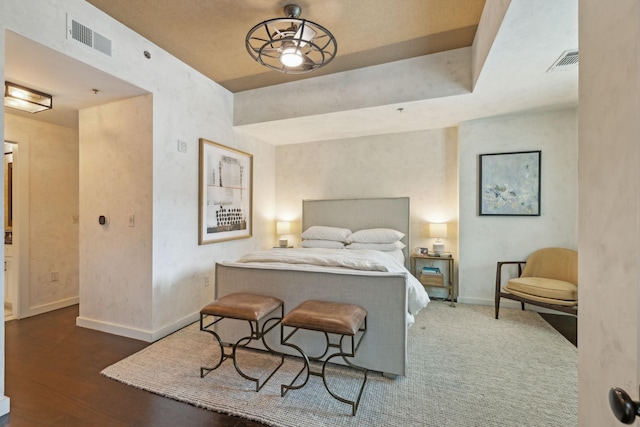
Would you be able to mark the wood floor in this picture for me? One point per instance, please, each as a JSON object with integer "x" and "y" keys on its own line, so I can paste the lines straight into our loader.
{"x": 53, "y": 378}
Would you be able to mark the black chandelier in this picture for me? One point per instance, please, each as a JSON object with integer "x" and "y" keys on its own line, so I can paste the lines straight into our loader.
{"x": 291, "y": 45}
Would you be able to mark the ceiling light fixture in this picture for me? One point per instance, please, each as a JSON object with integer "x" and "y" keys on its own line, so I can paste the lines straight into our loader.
{"x": 25, "y": 99}
{"x": 291, "y": 45}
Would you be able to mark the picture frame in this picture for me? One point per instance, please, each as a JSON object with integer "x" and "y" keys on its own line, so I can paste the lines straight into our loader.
{"x": 509, "y": 183}
{"x": 225, "y": 193}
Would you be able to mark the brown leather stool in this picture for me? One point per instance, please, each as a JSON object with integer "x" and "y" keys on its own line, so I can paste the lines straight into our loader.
{"x": 327, "y": 317}
{"x": 242, "y": 306}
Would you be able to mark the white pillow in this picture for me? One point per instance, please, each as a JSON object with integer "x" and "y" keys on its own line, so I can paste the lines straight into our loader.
{"x": 377, "y": 246}
{"x": 321, "y": 232}
{"x": 327, "y": 244}
{"x": 375, "y": 235}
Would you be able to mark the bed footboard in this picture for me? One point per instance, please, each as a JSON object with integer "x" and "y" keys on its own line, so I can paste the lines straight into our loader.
{"x": 383, "y": 295}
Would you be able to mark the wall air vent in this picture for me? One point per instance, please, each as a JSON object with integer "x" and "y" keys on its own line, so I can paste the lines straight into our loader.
{"x": 85, "y": 35}
{"x": 568, "y": 59}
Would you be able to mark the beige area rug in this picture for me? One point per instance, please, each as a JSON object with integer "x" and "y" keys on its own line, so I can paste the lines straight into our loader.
{"x": 465, "y": 369}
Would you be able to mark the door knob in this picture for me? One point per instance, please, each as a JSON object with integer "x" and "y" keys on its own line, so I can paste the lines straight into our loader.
{"x": 624, "y": 408}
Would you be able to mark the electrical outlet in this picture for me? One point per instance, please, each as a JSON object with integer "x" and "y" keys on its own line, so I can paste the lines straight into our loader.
{"x": 206, "y": 281}
{"x": 54, "y": 276}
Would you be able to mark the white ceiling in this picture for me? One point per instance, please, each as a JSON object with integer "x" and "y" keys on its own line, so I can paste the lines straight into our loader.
{"x": 514, "y": 78}
{"x": 69, "y": 81}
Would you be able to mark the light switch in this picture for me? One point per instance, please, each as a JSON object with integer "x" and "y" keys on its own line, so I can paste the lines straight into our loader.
{"x": 182, "y": 146}
{"x": 132, "y": 220}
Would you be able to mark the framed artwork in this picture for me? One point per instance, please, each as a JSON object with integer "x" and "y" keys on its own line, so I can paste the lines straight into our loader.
{"x": 509, "y": 184}
{"x": 225, "y": 196}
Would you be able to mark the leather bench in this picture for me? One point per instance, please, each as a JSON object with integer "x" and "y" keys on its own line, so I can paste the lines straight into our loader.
{"x": 344, "y": 320}
{"x": 253, "y": 308}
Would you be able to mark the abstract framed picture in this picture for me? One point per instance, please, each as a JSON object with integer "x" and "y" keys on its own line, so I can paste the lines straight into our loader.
{"x": 225, "y": 195}
{"x": 509, "y": 183}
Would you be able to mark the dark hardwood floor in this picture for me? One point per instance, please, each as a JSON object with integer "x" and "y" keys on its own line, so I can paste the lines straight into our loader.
{"x": 566, "y": 325}
{"x": 53, "y": 378}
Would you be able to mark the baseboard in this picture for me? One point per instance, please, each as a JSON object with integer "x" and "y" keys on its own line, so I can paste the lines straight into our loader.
{"x": 169, "y": 329}
{"x": 45, "y": 308}
{"x": 5, "y": 406}
{"x": 138, "y": 334}
{"x": 112, "y": 328}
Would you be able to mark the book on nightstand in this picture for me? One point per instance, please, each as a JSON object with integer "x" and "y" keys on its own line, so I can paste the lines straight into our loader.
{"x": 430, "y": 270}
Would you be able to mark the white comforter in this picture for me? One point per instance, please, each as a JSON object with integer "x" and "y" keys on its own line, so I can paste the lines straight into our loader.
{"x": 364, "y": 260}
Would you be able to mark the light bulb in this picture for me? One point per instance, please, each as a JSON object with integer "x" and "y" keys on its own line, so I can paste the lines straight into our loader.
{"x": 291, "y": 57}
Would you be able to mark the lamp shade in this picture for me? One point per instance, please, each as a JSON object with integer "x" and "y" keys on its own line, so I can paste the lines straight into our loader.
{"x": 437, "y": 230}
{"x": 283, "y": 227}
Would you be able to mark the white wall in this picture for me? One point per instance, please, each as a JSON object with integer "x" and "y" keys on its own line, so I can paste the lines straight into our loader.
{"x": 52, "y": 165}
{"x": 484, "y": 240}
{"x": 176, "y": 282}
{"x": 421, "y": 165}
{"x": 609, "y": 228}
{"x": 4, "y": 400}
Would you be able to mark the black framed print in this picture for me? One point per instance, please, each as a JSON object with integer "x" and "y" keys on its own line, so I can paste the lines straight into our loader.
{"x": 509, "y": 183}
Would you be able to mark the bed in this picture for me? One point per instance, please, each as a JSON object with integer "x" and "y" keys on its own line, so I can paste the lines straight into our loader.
{"x": 387, "y": 296}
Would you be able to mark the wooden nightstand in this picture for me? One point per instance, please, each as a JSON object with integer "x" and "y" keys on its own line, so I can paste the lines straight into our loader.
{"x": 436, "y": 281}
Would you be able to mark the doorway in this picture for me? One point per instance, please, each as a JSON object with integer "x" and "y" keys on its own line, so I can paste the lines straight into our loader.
{"x": 11, "y": 260}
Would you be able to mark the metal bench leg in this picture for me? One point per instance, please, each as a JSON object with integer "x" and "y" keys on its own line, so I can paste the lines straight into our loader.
{"x": 354, "y": 403}
{"x": 256, "y": 334}
{"x": 284, "y": 388}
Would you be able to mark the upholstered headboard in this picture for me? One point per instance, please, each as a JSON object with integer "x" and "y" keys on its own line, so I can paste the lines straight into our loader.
{"x": 360, "y": 214}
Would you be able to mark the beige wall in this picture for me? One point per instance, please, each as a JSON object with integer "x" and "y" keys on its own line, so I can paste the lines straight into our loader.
{"x": 116, "y": 170}
{"x": 52, "y": 166}
{"x": 421, "y": 165}
{"x": 609, "y": 227}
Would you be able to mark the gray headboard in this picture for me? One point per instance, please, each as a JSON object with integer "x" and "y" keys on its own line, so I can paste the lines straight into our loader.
{"x": 360, "y": 214}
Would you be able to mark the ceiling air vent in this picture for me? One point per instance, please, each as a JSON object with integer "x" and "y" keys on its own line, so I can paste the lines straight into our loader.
{"x": 85, "y": 35}
{"x": 568, "y": 59}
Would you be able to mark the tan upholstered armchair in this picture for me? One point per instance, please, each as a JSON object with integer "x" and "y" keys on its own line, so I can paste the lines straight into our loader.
{"x": 549, "y": 279}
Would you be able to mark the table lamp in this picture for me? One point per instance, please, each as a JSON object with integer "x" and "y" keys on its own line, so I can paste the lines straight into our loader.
{"x": 283, "y": 228}
{"x": 438, "y": 231}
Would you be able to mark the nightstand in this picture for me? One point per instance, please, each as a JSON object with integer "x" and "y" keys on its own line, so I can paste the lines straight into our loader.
{"x": 436, "y": 281}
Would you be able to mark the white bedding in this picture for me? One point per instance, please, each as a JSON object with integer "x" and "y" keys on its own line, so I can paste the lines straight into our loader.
{"x": 360, "y": 260}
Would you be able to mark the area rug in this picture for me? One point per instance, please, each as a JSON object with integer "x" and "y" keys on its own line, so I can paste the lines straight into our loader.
{"x": 465, "y": 369}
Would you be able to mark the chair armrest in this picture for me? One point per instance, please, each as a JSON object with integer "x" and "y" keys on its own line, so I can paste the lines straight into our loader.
{"x": 499, "y": 272}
